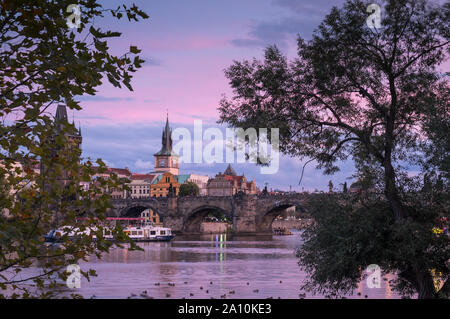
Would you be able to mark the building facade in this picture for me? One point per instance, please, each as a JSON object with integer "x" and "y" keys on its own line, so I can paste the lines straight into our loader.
{"x": 201, "y": 181}
{"x": 140, "y": 186}
{"x": 162, "y": 183}
{"x": 150, "y": 216}
{"x": 229, "y": 184}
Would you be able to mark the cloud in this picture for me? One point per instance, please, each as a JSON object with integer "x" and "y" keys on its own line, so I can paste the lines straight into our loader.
{"x": 265, "y": 33}
{"x": 248, "y": 43}
{"x": 91, "y": 117}
{"x": 312, "y": 8}
{"x": 150, "y": 61}
{"x": 140, "y": 164}
{"x": 301, "y": 19}
{"x": 108, "y": 163}
{"x": 150, "y": 101}
{"x": 100, "y": 98}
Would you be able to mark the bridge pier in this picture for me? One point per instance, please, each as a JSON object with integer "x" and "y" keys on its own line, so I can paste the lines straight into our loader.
{"x": 244, "y": 219}
{"x": 175, "y": 223}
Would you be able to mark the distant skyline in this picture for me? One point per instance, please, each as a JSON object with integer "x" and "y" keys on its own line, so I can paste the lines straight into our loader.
{"x": 187, "y": 45}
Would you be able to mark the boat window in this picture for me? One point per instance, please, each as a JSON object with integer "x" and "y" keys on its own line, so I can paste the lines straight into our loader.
{"x": 134, "y": 232}
{"x": 163, "y": 232}
{"x": 152, "y": 232}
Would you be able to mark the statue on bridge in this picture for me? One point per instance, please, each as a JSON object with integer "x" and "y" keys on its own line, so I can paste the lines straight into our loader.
{"x": 172, "y": 192}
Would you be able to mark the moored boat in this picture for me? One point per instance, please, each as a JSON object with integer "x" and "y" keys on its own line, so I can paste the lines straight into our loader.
{"x": 145, "y": 233}
{"x": 149, "y": 233}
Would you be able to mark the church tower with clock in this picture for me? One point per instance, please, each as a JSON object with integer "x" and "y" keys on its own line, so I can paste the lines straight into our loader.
{"x": 166, "y": 160}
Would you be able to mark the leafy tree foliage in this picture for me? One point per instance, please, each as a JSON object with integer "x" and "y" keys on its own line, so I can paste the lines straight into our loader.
{"x": 43, "y": 63}
{"x": 438, "y": 129}
{"x": 369, "y": 94}
{"x": 189, "y": 189}
{"x": 351, "y": 232}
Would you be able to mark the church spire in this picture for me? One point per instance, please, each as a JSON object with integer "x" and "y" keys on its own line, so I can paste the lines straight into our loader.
{"x": 166, "y": 148}
{"x": 168, "y": 134}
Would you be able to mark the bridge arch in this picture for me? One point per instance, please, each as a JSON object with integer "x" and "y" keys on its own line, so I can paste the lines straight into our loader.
{"x": 264, "y": 223}
{"x": 192, "y": 222}
{"x": 134, "y": 209}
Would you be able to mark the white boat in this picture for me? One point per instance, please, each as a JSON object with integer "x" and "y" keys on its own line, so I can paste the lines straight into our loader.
{"x": 149, "y": 233}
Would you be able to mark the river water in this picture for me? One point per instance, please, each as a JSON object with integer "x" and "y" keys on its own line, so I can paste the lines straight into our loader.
{"x": 207, "y": 266}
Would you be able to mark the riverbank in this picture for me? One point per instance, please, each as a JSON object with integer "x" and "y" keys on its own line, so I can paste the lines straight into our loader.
{"x": 292, "y": 223}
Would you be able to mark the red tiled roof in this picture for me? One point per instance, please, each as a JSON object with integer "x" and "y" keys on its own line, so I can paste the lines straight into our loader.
{"x": 118, "y": 171}
{"x": 141, "y": 176}
{"x": 238, "y": 179}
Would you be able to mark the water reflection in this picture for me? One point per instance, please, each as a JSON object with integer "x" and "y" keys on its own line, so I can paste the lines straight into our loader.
{"x": 206, "y": 266}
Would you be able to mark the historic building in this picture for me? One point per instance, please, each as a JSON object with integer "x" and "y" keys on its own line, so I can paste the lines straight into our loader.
{"x": 150, "y": 216}
{"x": 166, "y": 160}
{"x": 140, "y": 185}
{"x": 229, "y": 183}
{"x": 163, "y": 183}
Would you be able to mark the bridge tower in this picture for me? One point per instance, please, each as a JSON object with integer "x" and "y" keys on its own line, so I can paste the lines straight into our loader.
{"x": 71, "y": 148}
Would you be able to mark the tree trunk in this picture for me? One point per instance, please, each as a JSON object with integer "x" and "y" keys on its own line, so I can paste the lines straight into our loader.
{"x": 391, "y": 191}
{"x": 418, "y": 276}
{"x": 425, "y": 283}
{"x": 421, "y": 280}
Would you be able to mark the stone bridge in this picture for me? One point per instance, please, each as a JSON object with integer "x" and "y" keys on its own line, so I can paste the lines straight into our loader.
{"x": 250, "y": 214}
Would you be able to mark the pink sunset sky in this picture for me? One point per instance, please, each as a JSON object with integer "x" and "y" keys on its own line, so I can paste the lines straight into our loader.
{"x": 187, "y": 45}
